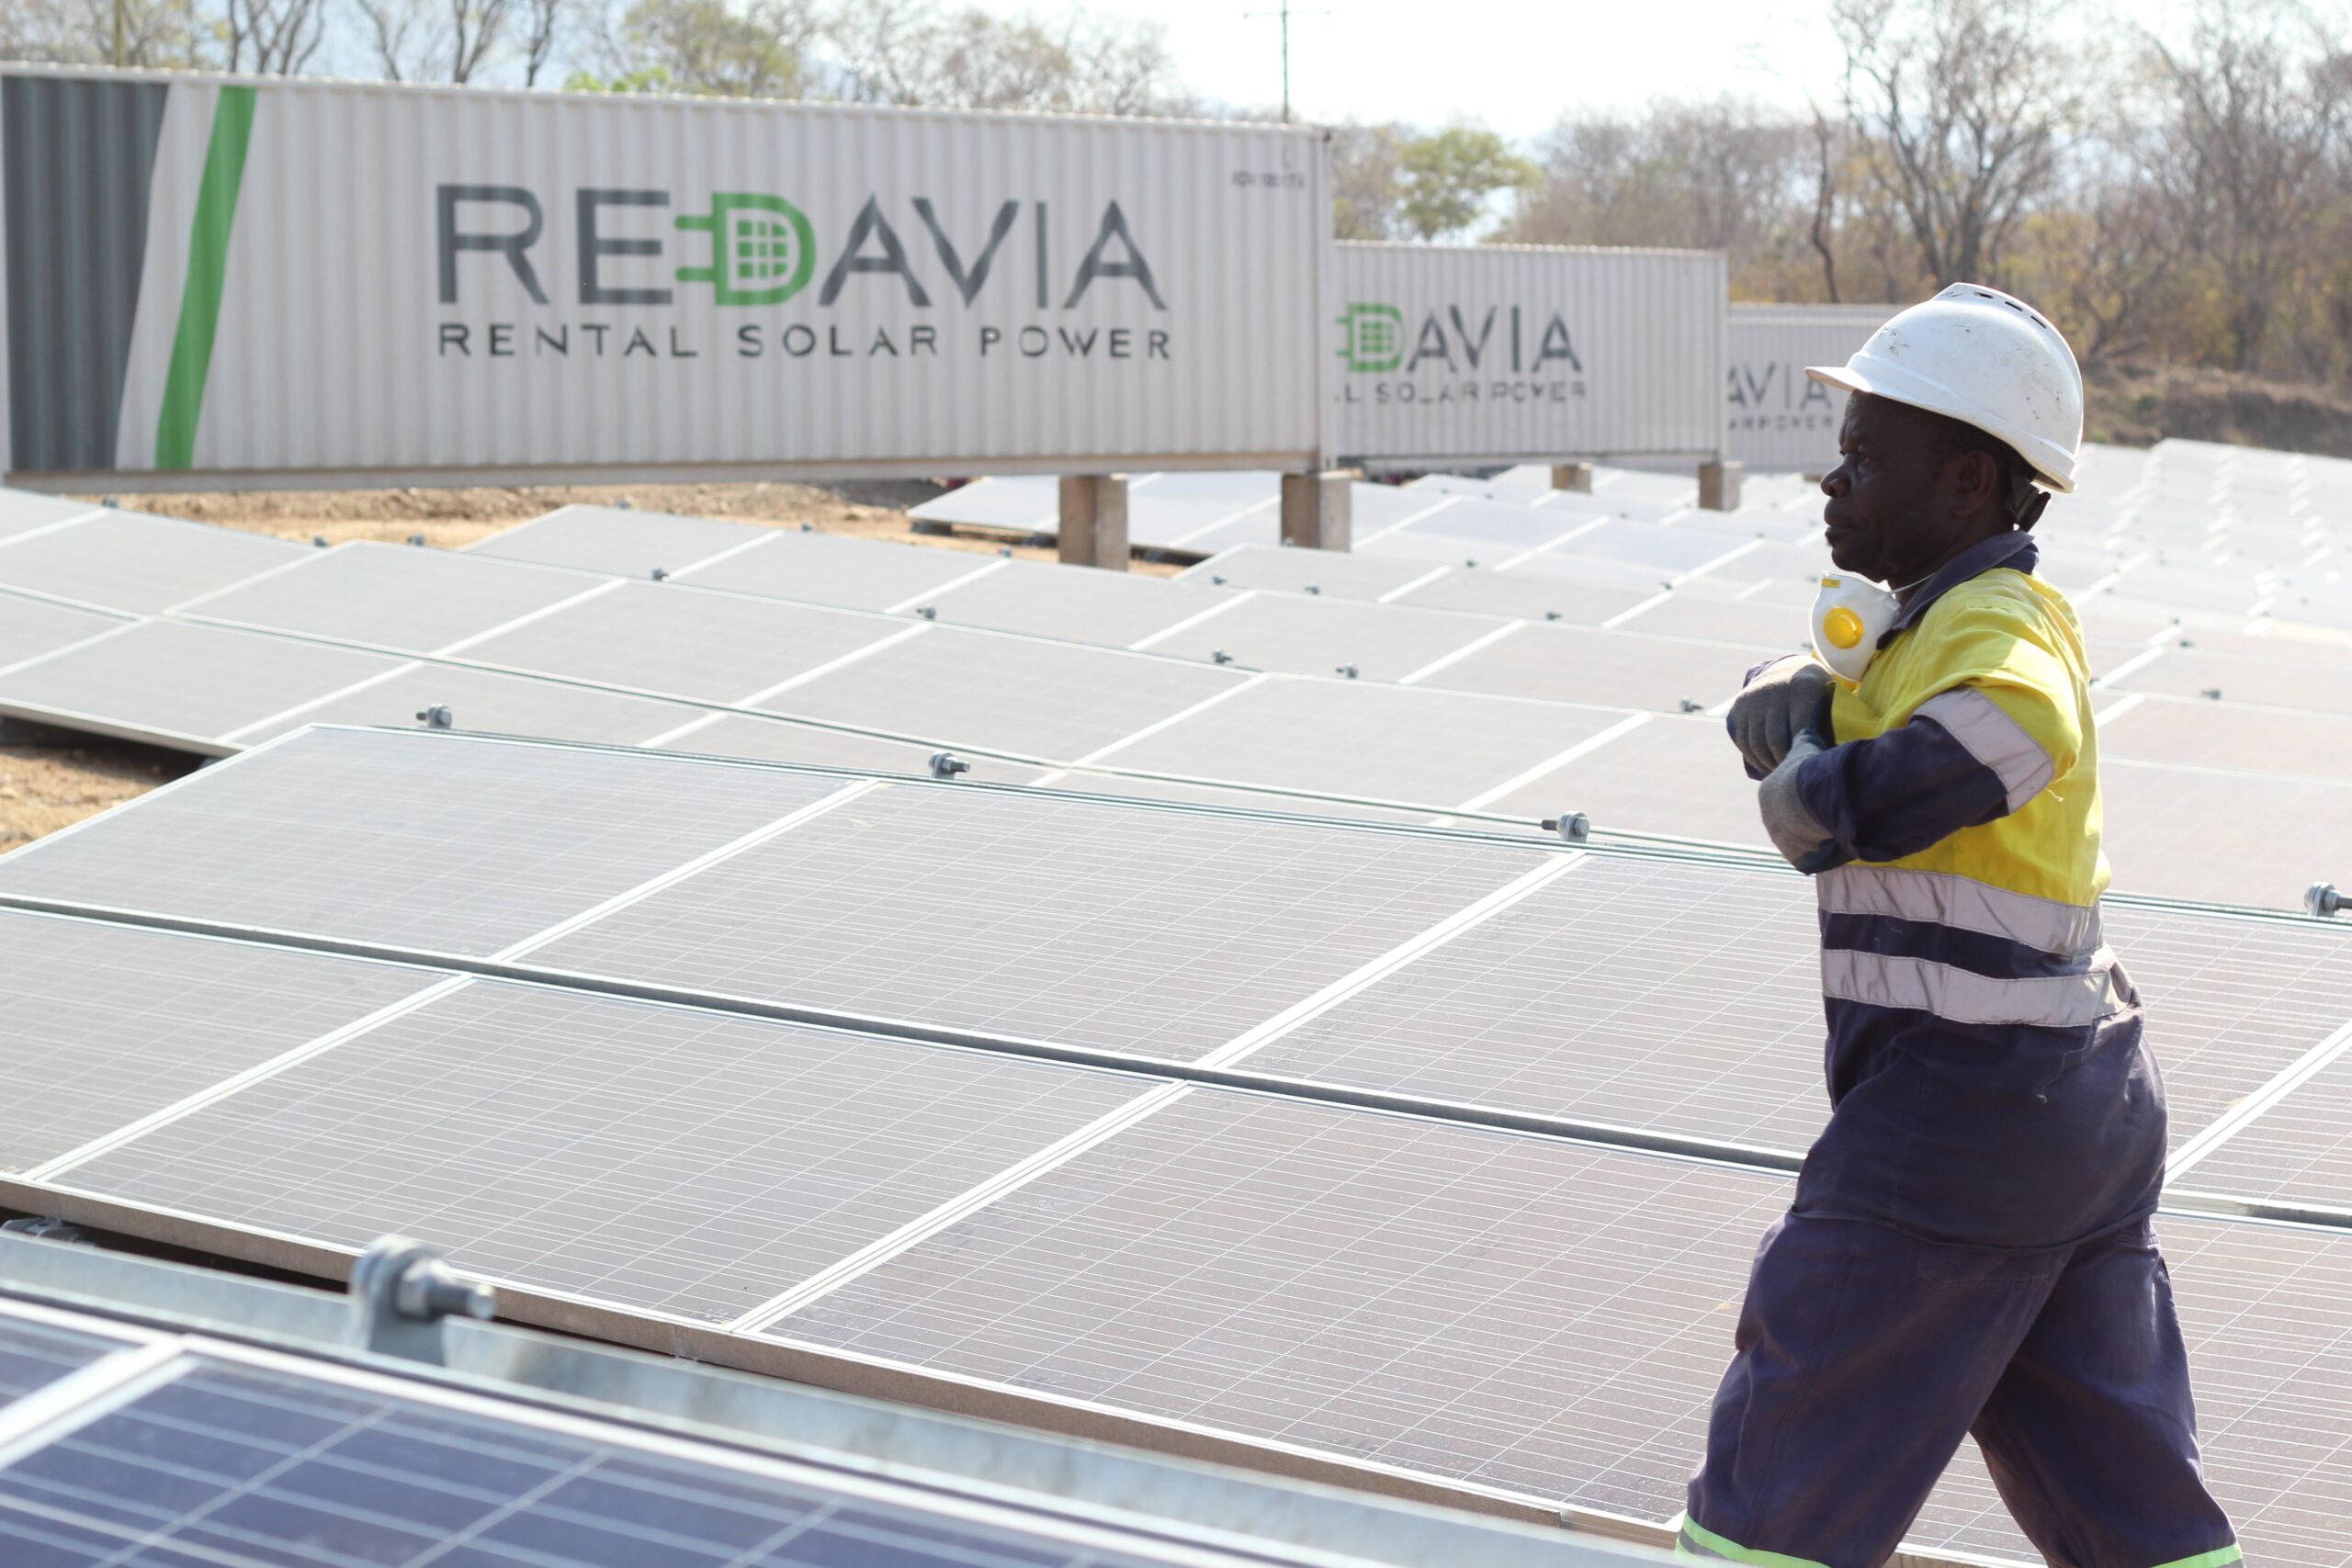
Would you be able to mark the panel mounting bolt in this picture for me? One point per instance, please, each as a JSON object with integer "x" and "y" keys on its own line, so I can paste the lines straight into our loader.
{"x": 400, "y": 1289}
{"x": 946, "y": 765}
{"x": 660, "y": 574}
{"x": 624, "y": 504}
{"x": 318, "y": 541}
{"x": 416, "y": 539}
{"x": 1216, "y": 581}
{"x": 1313, "y": 588}
{"x": 1575, "y": 827}
{"x": 1219, "y": 656}
{"x": 2211, "y": 693}
{"x": 1349, "y": 670}
{"x": 438, "y": 716}
{"x": 2324, "y": 899}
{"x": 1689, "y": 706}
{"x": 1551, "y": 614}
{"x": 928, "y": 611}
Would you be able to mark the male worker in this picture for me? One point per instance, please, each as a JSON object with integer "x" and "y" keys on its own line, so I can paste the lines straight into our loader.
{"x": 1968, "y": 1248}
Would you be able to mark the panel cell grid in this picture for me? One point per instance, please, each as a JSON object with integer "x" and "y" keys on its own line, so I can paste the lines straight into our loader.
{"x": 1159, "y": 933}
{"x": 395, "y": 596}
{"x": 177, "y": 682}
{"x": 101, "y": 1025}
{"x": 2261, "y": 741}
{"x": 658, "y": 1158}
{"x": 676, "y": 641}
{"x": 1032, "y": 505}
{"x": 2187, "y": 833}
{"x": 426, "y": 841}
{"x": 32, "y": 627}
{"x": 1670, "y": 775}
{"x": 2298, "y": 1150}
{"x": 1341, "y": 575}
{"x": 1532, "y": 596}
{"x": 1401, "y": 743}
{"x": 1058, "y": 701}
{"x": 489, "y": 703}
{"x": 232, "y": 1464}
{"x": 1512, "y": 1311}
{"x": 617, "y": 542}
{"x": 34, "y": 1354}
{"x": 781, "y": 740}
{"x": 1304, "y": 636}
{"x": 824, "y": 568}
{"x": 129, "y": 561}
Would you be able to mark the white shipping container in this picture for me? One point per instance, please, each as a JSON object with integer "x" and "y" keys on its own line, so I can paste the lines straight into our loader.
{"x": 376, "y": 282}
{"x": 1776, "y": 420}
{"x": 1510, "y": 353}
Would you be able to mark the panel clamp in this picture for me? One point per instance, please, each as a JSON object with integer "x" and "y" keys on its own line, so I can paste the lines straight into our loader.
{"x": 400, "y": 1289}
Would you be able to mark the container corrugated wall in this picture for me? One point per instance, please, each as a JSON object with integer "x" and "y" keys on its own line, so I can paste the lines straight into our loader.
{"x": 1501, "y": 353}
{"x": 441, "y": 283}
{"x": 1776, "y": 420}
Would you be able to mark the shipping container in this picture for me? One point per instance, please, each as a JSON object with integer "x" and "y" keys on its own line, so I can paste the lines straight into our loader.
{"x": 1498, "y": 353}
{"x": 1776, "y": 420}
{"x": 222, "y": 281}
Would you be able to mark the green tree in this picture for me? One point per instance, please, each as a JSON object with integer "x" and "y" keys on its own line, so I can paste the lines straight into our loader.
{"x": 1448, "y": 178}
{"x": 711, "y": 46}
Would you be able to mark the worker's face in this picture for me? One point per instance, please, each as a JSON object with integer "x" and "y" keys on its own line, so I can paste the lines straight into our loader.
{"x": 1901, "y": 504}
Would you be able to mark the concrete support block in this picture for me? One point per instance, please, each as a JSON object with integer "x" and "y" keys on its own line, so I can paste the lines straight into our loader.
{"x": 1719, "y": 486}
{"x": 1093, "y": 529}
{"x": 1577, "y": 477}
{"x": 1316, "y": 511}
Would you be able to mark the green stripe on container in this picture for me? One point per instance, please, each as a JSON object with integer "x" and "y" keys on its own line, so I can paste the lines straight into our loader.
{"x": 207, "y": 276}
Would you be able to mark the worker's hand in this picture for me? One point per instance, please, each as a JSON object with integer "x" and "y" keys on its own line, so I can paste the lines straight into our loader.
{"x": 1801, "y": 837}
{"x": 1786, "y": 697}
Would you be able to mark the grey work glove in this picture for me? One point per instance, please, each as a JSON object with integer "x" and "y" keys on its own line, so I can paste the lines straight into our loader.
{"x": 1784, "y": 699}
{"x": 1798, "y": 836}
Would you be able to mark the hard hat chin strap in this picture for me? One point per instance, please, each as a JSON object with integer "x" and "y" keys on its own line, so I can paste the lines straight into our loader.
{"x": 2025, "y": 503}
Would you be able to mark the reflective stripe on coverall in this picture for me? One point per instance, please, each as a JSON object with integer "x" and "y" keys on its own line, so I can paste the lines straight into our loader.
{"x": 1968, "y": 1248}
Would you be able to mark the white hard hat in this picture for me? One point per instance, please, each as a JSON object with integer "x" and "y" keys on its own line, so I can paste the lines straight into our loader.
{"x": 1987, "y": 359}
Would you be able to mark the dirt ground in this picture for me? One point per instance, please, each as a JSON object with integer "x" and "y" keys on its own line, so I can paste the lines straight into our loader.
{"x": 50, "y": 778}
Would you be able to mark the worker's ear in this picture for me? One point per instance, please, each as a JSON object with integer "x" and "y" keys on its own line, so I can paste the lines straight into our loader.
{"x": 1975, "y": 480}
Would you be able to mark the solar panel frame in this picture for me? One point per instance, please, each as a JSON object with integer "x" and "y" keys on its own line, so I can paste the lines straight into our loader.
{"x": 1012, "y": 502}
{"x": 1110, "y": 609}
{"x": 1671, "y": 776}
{"x": 22, "y": 510}
{"x": 2186, "y": 832}
{"x": 615, "y": 541}
{"x": 1622, "y": 669}
{"x": 847, "y": 573}
{"x": 34, "y": 629}
{"x": 138, "y": 563}
{"x": 1579, "y": 598}
{"x": 2264, "y": 740}
{"x": 1311, "y": 635}
{"x": 781, "y": 740}
{"x": 1341, "y": 574}
{"x": 487, "y": 701}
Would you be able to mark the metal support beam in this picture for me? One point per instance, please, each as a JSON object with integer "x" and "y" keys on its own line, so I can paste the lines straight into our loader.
{"x": 1093, "y": 529}
{"x": 1719, "y": 486}
{"x": 1316, "y": 510}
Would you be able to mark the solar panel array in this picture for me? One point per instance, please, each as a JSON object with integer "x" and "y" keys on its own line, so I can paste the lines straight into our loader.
{"x": 1437, "y": 1153}
{"x": 129, "y": 1444}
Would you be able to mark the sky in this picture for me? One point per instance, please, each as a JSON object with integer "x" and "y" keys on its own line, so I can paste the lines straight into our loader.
{"x": 1513, "y": 64}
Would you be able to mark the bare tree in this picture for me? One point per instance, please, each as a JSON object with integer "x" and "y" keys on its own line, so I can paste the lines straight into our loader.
{"x": 434, "y": 41}
{"x": 1963, "y": 107}
{"x": 1367, "y": 187}
{"x": 753, "y": 50}
{"x": 912, "y": 52}
{"x": 544, "y": 24}
{"x": 155, "y": 34}
{"x": 1827, "y": 154}
{"x": 272, "y": 38}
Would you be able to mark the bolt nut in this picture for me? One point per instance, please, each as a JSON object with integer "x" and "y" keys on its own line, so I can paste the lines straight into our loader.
{"x": 1575, "y": 827}
{"x": 2324, "y": 899}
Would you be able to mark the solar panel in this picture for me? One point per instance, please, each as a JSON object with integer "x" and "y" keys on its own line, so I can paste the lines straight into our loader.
{"x": 393, "y": 596}
{"x": 825, "y": 569}
{"x": 32, "y": 627}
{"x": 441, "y": 842}
{"x": 1177, "y": 522}
{"x": 663, "y": 1158}
{"x": 1312, "y": 635}
{"x": 129, "y": 561}
{"x": 1510, "y": 1311}
{"x": 1260, "y": 528}
{"x": 1671, "y": 776}
{"x": 1109, "y": 608}
{"x": 1623, "y": 669}
{"x": 679, "y": 642}
{"x": 1492, "y": 530}
{"x": 1358, "y": 737}
{"x": 1051, "y": 917}
{"x": 235, "y": 1463}
{"x": 184, "y": 686}
{"x": 101, "y": 1025}
{"x": 2283, "y": 679}
{"x": 1058, "y": 701}
{"x": 2186, "y": 832}
{"x": 1517, "y": 1313}
{"x": 622, "y": 543}
{"x": 1341, "y": 574}
{"x": 1768, "y": 620}
{"x": 1121, "y": 786}
{"x": 780, "y": 740}
{"x": 2254, "y": 739}
{"x": 33, "y": 1355}
{"x": 1681, "y": 548}
{"x": 1584, "y": 600}
{"x": 487, "y": 702}
{"x": 23, "y": 509}
{"x": 1238, "y": 487}
{"x": 2298, "y": 1150}
{"x": 1015, "y": 502}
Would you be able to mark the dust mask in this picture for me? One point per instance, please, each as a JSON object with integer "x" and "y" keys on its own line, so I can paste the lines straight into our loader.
{"x": 1849, "y": 615}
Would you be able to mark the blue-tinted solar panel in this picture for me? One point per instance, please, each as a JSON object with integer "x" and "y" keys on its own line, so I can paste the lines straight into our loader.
{"x": 34, "y": 1354}
{"x": 234, "y": 1465}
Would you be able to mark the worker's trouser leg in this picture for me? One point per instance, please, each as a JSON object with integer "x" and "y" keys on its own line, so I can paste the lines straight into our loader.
{"x": 1864, "y": 1357}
